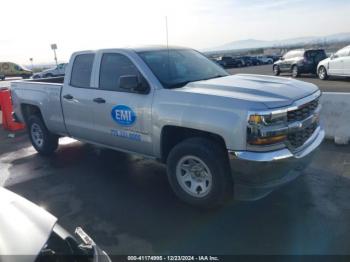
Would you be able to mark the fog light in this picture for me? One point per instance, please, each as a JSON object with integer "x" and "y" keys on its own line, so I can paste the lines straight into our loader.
{"x": 268, "y": 140}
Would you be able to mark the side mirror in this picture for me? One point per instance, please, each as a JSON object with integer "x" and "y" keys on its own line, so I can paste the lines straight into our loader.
{"x": 282, "y": 58}
{"x": 132, "y": 83}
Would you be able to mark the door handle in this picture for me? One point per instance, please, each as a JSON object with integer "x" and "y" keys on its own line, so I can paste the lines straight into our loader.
{"x": 99, "y": 100}
{"x": 68, "y": 97}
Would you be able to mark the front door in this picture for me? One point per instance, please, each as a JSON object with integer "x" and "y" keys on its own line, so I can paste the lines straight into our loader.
{"x": 123, "y": 117}
{"x": 347, "y": 64}
{"x": 336, "y": 63}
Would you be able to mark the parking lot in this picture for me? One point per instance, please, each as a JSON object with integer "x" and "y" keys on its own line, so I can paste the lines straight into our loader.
{"x": 334, "y": 84}
{"x": 125, "y": 202}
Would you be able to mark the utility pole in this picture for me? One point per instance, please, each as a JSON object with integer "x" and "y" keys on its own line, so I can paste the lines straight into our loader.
{"x": 54, "y": 48}
{"x": 31, "y": 62}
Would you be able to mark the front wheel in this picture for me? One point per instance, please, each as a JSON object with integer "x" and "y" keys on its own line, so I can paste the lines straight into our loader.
{"x": 322, "y": 73}
{"x": 276, "y": 70}
{"x": 199, "y": 173}
{"x": 44, "y": 142}
{"x": 295, "y": 71}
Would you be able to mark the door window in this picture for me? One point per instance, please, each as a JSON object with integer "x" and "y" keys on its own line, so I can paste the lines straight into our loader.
{"x": 114, "y": 66}
{"x": 81, "y": 71}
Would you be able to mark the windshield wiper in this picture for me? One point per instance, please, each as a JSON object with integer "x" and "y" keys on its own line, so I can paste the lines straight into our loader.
{"x": 183, "y": 83}
{"x": 180, "y": 84}
{"x": 216, "y": 76}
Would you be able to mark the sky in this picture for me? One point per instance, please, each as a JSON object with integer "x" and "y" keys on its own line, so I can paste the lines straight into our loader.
{"x": 29, "y": 27}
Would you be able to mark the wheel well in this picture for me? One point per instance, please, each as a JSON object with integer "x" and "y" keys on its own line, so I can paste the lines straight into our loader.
{"x": 28, "y": 110}
{"x": 173, "y": 135}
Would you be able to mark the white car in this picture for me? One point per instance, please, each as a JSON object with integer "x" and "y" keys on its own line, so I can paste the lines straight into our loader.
{"x": 59, "y": 70}
{"x": 337, "y": 64}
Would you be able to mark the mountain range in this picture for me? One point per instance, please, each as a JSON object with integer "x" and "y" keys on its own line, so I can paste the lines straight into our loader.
{"x": 254, "y": 43}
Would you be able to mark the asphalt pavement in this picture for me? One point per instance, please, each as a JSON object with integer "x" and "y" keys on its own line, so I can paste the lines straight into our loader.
{"x": 125, "y": 203}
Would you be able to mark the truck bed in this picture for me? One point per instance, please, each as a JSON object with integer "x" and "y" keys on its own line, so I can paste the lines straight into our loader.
{"x": 45, "y": 94}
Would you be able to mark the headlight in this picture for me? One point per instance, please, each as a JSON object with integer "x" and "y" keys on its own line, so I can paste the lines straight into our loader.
{"x": 266, "y": 129}
{"x": 267, "y": 119}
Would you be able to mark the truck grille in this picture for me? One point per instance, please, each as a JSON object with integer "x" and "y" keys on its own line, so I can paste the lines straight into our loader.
{"x": 298, "y": 138}
{"x": 302, "y": 112}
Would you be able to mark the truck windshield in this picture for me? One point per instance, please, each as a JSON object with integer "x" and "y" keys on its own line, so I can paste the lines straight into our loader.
{"x": 176, "y": 67}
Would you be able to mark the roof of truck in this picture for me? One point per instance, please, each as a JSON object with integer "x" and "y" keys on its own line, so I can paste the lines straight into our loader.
{"x": 138, "y": 48}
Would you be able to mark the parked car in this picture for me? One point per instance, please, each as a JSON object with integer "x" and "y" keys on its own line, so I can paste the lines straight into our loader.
{"x": 264, "y": 60}
{"x": 59, "y": 70}
{"x": 247, "y": 60}
{"x": 255, "y": 61}
{"x": 336, "y": 65}
{"x": 9, "y": 69}
{"x": 220, "y": 135}
{"x": 228, "y": 61}
{"x": 30, "y": 233}
{"x": 299, "y": 62}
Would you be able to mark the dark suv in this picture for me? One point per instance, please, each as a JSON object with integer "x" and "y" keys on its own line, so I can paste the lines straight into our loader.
{"x": 299, "y": 62}
{"x": 228, "y": 61}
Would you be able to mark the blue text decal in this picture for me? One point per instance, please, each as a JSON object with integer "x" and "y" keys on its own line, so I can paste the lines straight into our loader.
{"x": 123, "y": 115}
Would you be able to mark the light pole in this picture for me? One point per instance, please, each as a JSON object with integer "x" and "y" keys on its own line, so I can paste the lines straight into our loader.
{"x": 54, "y": 48}
{"x": 31, "y": 61}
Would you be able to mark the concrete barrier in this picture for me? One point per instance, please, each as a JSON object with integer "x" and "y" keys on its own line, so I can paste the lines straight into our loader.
{"x": 335, "y": 116}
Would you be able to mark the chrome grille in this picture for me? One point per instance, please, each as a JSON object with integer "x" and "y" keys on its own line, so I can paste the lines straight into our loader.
{"x": 302, "y": 112}
{"x": 297, "y": 139}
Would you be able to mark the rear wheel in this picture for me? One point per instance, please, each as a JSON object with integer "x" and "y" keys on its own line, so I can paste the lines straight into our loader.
{"x": 42, "y": 139}
{"x": 322, "y": 73}
{"x": 199, "y": 173}
{"x": 276, "y": 70}
{"x": 295, "y": 71}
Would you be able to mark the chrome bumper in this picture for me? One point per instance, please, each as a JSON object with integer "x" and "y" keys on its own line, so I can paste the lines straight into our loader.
{"x": 311, "y": 144}
{"x": 256, "y": 174}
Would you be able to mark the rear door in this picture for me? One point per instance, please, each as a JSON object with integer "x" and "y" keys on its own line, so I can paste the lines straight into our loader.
{"x": 122, "y": 117}
{"x": 77, "y": 97}
{"x": 311, "y": 60}
{"x": 287, "y": 61}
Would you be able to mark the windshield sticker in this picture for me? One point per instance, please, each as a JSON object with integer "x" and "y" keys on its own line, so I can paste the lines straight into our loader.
{"x": 123, "y": 115}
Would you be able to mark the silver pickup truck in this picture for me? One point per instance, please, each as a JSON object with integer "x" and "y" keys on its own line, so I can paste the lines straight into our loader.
{"x": 220, "y": 135}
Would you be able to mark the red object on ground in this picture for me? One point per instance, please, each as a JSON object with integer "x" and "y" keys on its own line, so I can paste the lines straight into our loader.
{"x": 6, "y": 108}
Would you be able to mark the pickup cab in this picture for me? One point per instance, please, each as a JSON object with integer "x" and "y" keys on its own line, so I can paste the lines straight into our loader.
{"x": 220, "y": 136}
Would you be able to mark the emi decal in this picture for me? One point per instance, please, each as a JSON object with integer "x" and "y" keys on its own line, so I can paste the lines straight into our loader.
{"x": 123, "y": 115}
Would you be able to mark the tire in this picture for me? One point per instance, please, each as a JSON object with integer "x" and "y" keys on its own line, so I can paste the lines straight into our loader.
{"x": 295, "y": 71}
{"x": 322, "y": 73}
{"x": 44, "y": 142}
{"x": 276, "y": 70}
{"x": 201, "y": 156}
{"x": 25, "y": 76}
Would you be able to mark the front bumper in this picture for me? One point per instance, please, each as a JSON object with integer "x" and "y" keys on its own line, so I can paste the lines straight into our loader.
{"x": 256, "y": 174}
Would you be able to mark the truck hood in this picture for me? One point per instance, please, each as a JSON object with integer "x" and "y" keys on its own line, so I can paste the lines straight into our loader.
{"x": 24, "y": 227}
{"x": 272, "y": 91}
